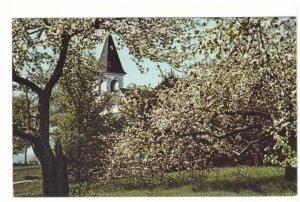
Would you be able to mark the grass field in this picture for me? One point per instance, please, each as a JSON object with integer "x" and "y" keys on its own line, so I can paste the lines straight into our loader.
{"x": 22, "y": 173}
{"x": 228, "y": 181}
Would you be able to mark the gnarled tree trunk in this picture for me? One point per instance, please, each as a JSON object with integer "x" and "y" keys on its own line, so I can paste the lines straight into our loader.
{"x": 54, "y": 167}
{"x": 290, "y": 174}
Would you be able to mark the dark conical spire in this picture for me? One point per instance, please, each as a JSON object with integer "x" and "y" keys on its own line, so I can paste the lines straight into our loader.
{"x": 110, "y": 58}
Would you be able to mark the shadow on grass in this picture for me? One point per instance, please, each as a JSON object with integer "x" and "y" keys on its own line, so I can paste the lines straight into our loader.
{"x": 268, "y": 185}
{"x": 263, "y": 185}
{"x": 29, "y": 177}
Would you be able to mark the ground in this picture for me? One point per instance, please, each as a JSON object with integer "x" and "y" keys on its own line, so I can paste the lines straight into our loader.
{"x": 227, "y": 181}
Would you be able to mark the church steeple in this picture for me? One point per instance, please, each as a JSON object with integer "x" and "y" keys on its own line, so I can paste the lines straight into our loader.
{"x": 110, "y": 58}
{"x": 113, "y": 76}
{"x": 114, "y": 73}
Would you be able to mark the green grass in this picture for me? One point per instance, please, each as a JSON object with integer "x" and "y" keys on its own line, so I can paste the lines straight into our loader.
{"x": 22, "y": 173}
{"x": 228, "y": 181}
{"x": 29, "y": 189}
{"x": 27, "y": 173}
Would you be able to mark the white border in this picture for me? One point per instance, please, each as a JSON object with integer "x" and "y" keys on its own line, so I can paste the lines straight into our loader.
{"x": 113, "y": 8}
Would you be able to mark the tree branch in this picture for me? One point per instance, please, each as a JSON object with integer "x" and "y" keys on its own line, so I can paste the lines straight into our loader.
{"x": 20, "y": 80}
{"x": 225, "y": 135}
{"x": 251, "y": 144}
{"x": 98, "y": 24}
{"x": 249, "y": 113}
{"x": 60, "y": 63}
{"x": 18, "y": 132}
{"x": 237, "y": 131}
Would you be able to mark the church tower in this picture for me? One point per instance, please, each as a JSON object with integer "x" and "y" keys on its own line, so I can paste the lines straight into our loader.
{"x": 113, "y": 75}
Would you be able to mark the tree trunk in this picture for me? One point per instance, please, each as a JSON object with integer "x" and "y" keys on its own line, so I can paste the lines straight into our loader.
{"x": 49, "y": 173}
{"x": 290, "y": 174}
{"x": 25, "y": 156}
{"x": 54, "y": 167}
{"x": 62, "y": 171}
{"x": 54, "y": 170}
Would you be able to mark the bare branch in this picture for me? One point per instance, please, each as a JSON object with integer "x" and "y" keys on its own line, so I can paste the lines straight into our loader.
{"x": 237, "y": 131}
{"x": 60, "y": 63}
{"x": 249, "y": 113}
{"x": 225, "y": 135}
{"x": 20, "y": 80}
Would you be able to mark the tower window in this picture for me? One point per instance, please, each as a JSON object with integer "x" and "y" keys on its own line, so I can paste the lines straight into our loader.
{"x": 114, "y": 85}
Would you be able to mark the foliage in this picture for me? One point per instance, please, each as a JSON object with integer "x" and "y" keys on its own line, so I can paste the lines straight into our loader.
{"x": 238, "y": 100}
{"x": 80, "y": 123}
{"x": 36, "y": 42}
{"x": 23, "y": 113}
{"x": 19, "y": 145}
{"x": 264, "y": 50}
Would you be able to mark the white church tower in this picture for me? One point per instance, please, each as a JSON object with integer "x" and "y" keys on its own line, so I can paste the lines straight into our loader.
{"x": 113, "y": 74}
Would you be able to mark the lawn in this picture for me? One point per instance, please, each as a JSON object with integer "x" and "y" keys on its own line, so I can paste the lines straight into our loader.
{"x": 25, "y": 173}
{"x": 228, "y": 181}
